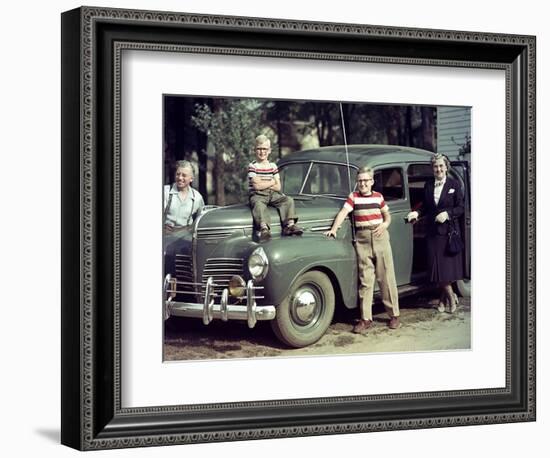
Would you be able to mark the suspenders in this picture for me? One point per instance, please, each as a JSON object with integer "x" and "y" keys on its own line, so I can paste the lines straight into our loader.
{"x": 169, "y": 203}
{"x": 190, "y": 217}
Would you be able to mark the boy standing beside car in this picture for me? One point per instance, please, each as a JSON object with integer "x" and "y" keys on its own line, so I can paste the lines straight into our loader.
{"x": 264, "y": 189}
{"x": 374, "y": 254}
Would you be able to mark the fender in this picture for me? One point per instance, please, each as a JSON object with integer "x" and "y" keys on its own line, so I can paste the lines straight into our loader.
{"x": 289, "y": 257}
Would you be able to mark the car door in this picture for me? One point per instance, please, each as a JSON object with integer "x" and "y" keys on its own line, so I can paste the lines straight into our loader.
{"x": 417, "y": 175}
{"x": 390, "y": 182}
{"x": 461, "y": 171}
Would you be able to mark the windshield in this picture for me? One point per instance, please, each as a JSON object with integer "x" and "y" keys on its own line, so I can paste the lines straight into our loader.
{"x": 317, "y": 179}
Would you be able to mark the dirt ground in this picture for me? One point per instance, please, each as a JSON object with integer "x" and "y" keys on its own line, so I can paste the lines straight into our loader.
{"x": 423, "y": 328}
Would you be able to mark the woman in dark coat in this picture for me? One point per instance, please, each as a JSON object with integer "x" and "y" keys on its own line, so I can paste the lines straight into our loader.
{"x": 443, "y": 204}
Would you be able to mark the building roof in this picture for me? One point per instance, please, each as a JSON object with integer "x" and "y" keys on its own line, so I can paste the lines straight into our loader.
{"x": 361, "y": 155}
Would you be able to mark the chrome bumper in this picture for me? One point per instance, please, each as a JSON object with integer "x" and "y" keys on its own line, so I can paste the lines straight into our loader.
{"x": 210, "y": 310}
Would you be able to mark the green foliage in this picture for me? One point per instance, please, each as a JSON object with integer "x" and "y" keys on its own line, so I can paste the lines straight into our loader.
{"x": 466, "y": 147}
{"x": 221, "y": 131}
{"x": 231, "y": 126}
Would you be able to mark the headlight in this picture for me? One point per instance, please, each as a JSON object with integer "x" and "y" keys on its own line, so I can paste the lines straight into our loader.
{"x": 258, "y": 264}
{"x": 237, "y": 286}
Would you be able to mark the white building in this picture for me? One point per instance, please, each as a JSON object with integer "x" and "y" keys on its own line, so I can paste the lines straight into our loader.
{"x": 453, "y": 130}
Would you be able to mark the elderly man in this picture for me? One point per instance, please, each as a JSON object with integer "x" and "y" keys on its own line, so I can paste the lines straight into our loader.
{"x": 181, "y": 201}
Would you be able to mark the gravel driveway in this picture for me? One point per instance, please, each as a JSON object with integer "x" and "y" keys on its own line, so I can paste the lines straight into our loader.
{"x": 423, "y": 328}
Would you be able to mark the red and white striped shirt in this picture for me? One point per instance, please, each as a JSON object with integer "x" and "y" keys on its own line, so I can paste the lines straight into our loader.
{"x": 367, "y": 210}
{"x": 265, "y": 171}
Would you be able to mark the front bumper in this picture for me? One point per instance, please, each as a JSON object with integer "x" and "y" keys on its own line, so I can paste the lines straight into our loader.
{"x": 212, "y": 309}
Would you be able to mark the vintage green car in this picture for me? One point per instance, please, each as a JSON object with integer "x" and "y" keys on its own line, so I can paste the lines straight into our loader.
{"x": 218, "y": 269}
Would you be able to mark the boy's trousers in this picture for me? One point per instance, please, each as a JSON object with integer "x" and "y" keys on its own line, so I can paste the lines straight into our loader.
{"x": 375, "y": 261}
{"x": 260, "y": 200}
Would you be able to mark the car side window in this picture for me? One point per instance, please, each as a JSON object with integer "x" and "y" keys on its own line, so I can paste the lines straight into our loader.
{"x": 418, "y": 174}
{"x": 329, "y": 180}
{"x": 389, "y": 182}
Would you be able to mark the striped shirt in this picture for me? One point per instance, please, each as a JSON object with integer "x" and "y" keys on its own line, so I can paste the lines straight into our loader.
{"x": 367, "y": 210}
{"x": 265, "y": 171}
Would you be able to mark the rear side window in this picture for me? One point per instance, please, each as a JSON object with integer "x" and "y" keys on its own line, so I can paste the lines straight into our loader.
{"x": 389, "y": 182}
{"x": 418, "y": 175}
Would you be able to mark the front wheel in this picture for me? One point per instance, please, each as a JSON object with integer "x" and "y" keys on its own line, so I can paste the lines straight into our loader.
{"x": 306, "y": 312}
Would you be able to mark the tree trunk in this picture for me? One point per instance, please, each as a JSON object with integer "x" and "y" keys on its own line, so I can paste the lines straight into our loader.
{"x": 279, "y": 137}
{"x": 202, "y": 148}
{"x": 219, "y": 162}
{"x": 408, "y": 127}
{"x": 347, "y": 110}
{"x": 393, "y": 126}
{"x": 219, "y": 169}
{"x": 203, "y": 163}
{"x": 428, "y": 138}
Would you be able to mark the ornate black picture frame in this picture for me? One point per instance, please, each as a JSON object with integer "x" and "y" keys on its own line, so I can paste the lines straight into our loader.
{"x": 92, "y": 42}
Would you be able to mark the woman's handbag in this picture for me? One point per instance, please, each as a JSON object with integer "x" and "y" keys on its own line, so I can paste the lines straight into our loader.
{"x": 454, "y": 242}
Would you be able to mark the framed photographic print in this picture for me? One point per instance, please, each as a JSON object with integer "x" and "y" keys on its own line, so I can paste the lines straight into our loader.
{"x": 320, "y": 147}
{"x": 228, "y": 188}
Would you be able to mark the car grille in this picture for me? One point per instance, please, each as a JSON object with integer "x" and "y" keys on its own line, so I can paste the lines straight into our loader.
{"x": 214, "y": 234}
{"x": 220, "y": 269}
{"x": 184, "y": 273}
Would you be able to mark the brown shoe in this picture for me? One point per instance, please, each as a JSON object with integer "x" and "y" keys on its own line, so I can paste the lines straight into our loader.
{"x": 292, "y": 230}
{"x": 362, "y": 326}
{"x": 265, "y": 234}
{"x": 394, "y": 322}
{"x": 295, "y": 230}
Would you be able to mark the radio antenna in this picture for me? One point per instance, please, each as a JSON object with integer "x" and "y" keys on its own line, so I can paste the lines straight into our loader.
{"x": 345, "y": 145}
{"x": 352, "y": 219}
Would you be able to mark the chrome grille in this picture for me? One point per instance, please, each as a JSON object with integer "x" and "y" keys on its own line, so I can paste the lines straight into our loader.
{"x": 184, "y": 271}
{"x": 215, "y": 234}
{"x": 221, "y": 270}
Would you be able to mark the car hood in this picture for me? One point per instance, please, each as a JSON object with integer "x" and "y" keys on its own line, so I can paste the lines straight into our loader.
{"x": 173, "y": 241}
{"x": 309, "y": 209}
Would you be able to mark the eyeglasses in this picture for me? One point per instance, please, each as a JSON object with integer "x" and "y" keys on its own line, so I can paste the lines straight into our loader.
{"x": 262, "y": 149}
{"x": 368, "y": 180}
